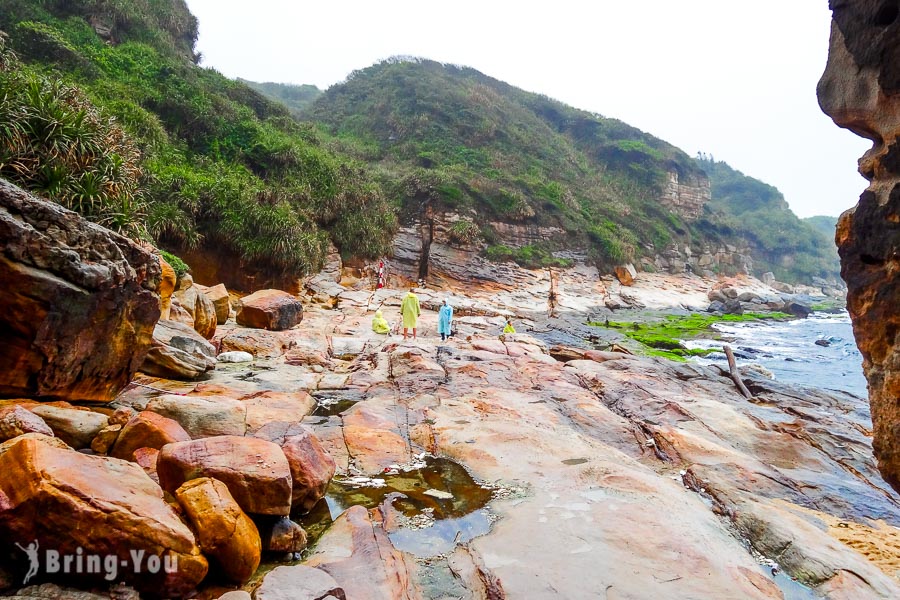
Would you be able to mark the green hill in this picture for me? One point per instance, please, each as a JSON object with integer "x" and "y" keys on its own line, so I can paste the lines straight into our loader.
{"x": 462, "y": 140}
{"x": 295, "y": 97}
{"x": 455, "y": 139}
{"x": 208, "y": 162}
{"x": 792, "y": 248}
{"x": 825, "y": 224}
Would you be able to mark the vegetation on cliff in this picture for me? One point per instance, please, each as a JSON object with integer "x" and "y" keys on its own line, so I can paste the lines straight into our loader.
{"x": 106, "y": 111}
{"x": 793, "y": 249}
{"x": 457, "y": 139}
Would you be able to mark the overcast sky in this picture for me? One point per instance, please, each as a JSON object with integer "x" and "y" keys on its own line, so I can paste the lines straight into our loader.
{"x": 734, "y": 79}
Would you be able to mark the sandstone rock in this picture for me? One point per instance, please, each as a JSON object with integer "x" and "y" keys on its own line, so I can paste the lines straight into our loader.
{"x": 260, "y": 344}
{"x": 224, "y": 532}
{"x": 235, "y": 356}
{"x": 221, "y": 302}
{"x": 626, "y": 274}
{"x": 311, "y": 466}
{"x": 748, "y": 297}
{"x": 55, "y": 442}
{"x": 146, "y": 459}
{"x": 76, "y": 428}
{"x": 859, "y": 92}
{"x": 270, "y": 309}
{"x": 178, "y": 352}
{"x": 299, "y": 582}
{"x": 121, "y": 415}
{"x": 236, "y": 595}
{"x": 203, "y": 416}
{"x": 785, "y": 288}
{"x": 362, "y": 559}
{"x": 105, "y": 439}
{"x": 147, "y": 430}
{"x": 276, "y": 407}
{"x": 347, "y": 348}
{"x": 45, "y": 492}
{"x": 51, "y": 591}
{"x": 200, "y": 307}
{"x": 256, "y": 471}
{"x": 768, "y": 278}
{"x": 281, "y": 535}
{"x": 167, "y": 281}
{"x": 717, "y": 296}
{"x": 178, "y": 314}
{"x": 16, "y": 420}
{"x": 306, "y": 356}
{"x": 79, "y": 302}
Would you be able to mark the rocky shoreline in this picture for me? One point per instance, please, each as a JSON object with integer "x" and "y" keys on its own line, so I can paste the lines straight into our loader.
{"x": 626, "y": 475}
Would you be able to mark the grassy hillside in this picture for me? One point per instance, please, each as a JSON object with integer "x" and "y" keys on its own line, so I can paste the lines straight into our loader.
{"x": 295, "y": 97}
{"x": 825, "y": 224}
{"x": 792, "y": 248}
{"x": 461, "y": 140}
{"x": 105, "y": 95}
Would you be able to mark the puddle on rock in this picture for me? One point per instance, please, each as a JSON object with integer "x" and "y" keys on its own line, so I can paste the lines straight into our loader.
{"x": 332, "y": 403}
{"x": 431, "y": 523}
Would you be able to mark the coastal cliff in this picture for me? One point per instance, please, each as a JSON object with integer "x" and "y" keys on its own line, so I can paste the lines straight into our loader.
{"x": 860, "y": 90}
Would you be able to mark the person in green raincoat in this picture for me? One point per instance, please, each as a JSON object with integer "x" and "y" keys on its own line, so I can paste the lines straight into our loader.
{"x": 410, "y": 311}
{"x": 509, "y": 327}
{"x": 379, "y": 324}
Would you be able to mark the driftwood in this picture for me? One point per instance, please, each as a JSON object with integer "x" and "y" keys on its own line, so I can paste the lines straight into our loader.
{"x": 735, "y": 375}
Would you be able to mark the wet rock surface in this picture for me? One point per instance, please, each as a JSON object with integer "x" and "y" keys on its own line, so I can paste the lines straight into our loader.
{"x": 859, "y": 91}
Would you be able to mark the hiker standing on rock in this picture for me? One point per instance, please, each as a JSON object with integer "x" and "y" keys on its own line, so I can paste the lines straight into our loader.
{"x": 445, "y": 320}
{"x": 410, "y": 311}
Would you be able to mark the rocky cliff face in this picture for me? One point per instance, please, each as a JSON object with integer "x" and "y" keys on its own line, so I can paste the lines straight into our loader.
{"x": 685, "y": 195}
{"x": 78, "y": 302}
{"x": 860, "y": 90}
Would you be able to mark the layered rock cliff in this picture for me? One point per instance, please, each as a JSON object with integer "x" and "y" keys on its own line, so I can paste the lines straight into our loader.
{"x": 860, "y": 90}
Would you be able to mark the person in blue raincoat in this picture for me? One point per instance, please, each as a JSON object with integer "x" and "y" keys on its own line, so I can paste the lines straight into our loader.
{"x": 445, "y": 320}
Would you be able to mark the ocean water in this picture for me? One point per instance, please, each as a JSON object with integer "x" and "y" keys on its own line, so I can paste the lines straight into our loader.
{"x": 788, "y": 349}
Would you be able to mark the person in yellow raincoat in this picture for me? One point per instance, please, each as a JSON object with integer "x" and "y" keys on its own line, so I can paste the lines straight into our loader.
{"x": 509, "y": 327}
{"x": 379, "y": 324}
{"x": 410, "y": 311}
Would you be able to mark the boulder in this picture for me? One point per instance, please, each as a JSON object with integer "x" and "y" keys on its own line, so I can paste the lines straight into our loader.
{"x": 275, "y": 310}
{"x": 748, "y": 297}
{"x": 202, "y": 416}
{"x": 798, "y": 309}
{"x": 224, "y": 531}
{"x": 147, "y": 430}
{"x": 716, "y": 296}
{"x": 146, "y": 459}
{"x": 734, "y": 307}
{"x": 256, "y": 471}
{"x": 716, "y": 307}
{"x": 260, "y": 344}
{"x": 299, "y": 582}
{"x": 282, "y": 535}
{"x": 178, "y": 352}
{"x": 311, "y": 466}
{"x": 38, "y": 437}
{"x": 221, "y": 302}
{"x": 167, "y": 282}
{"x": 67, "y": 500}
{"x": 105, "y": 439}
{"x": 78, "y": 302}
{"x": 199, "y": 306}
{"x": 16, "y": 420}
{"x": 178, "y": 314}
{"x": 768, "y": 278}
{"x": 75, "y": 427}
{"x": 235, "y": 356}
{"x": 785, "y": 288}
{"x": 626, "y": 274}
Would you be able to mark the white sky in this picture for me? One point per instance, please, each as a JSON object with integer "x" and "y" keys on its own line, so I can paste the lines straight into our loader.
{"x": 734, "y": 79}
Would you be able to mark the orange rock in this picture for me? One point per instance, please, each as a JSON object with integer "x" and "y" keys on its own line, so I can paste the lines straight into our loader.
{"x": 223, "y": 530}
{"x": 311, "y": 466}
{"x": 15, "y": 420}
{"x": 221, "y": 301}
{"x": 256, "y": 471}
{"x": 147, "y": 430}
{"x": 66, "y": 500}
{"x": 146, "y": 459}
{"x": 270, "y": 309}
{"x": 271, "y": 407}
{"x": 75, "y": 427}
{"x": 166, "y": 287}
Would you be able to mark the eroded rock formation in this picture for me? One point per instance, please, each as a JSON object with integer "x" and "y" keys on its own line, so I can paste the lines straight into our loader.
{"x": 79, "y": 302}
{"x": 860, "y": 90}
